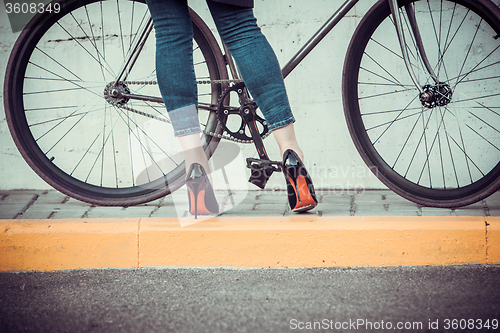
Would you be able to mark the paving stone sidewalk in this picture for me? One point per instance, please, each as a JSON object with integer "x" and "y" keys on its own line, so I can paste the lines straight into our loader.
{"x": 31, "y": 204}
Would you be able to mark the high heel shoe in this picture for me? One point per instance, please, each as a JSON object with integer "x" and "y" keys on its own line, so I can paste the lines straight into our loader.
{"x": 201, "y": 195}
{"x": 301, "y": 195}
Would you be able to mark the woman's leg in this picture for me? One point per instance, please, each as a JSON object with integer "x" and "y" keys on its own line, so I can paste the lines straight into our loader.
{"x": 175, "y": 74}
{"x": 259, "y": 68}
{"x": 261, "y": 72}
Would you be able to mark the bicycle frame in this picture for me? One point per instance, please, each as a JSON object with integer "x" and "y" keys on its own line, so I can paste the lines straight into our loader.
{"x": 303, "y": 52}
{"x": 262, "y": 168}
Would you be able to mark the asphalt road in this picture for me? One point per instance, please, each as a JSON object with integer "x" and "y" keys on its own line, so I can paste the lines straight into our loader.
{"x": 421, "y": 299}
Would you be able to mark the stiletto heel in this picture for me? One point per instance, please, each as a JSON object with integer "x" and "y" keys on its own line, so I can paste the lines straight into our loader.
{"x": 301, "y": 195}
{"x": 201, "y": 195}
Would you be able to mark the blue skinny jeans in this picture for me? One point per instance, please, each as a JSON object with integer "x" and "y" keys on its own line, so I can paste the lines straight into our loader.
{"x": 254, "y": 56}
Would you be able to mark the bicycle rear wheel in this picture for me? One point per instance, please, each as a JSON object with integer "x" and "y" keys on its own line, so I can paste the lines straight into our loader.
{"x": 65, "y": 121}
{"x": 442, "y": 152}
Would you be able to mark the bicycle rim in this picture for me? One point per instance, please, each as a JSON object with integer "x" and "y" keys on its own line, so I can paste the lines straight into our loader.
{"x": 108, "y": 154}
{"x": 445, "y": 153}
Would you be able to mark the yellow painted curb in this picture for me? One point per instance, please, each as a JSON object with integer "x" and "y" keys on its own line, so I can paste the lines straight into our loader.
{"x": 68, "y": 244}
{"x": 298, "y": 241}
{"x": 493, "y": 240}
{"x": 316, "y": 242}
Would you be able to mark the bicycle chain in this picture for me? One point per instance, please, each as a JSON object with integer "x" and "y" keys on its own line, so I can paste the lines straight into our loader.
{"x": 166, "y": 120}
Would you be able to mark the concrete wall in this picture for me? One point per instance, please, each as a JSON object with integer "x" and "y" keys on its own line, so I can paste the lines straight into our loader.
{"x": 314, "y": 90}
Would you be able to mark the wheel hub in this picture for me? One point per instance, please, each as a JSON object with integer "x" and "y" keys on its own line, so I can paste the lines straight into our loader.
{"x": 436, "y": 95}
{"x": 113, "y": 93}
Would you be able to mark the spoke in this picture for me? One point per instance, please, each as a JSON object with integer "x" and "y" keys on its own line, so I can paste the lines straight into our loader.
{"x": 451, "y": 153}
{"x": 85, "y": 154}
{"x": 388, "y": 111}
{"x": 474, "y": 98}
{"x": 114, "y": 158}
{"x": 151, "y": 139}
{"x": 142, "y": 146}
{"x": 64, "y": 79}
{"x": 380, "y": 76}
{"x": 482, "y": 137}
{"x": 419, "y": 141}
{"x": 72, "y": 115}
{"x": 388, "y": 93}
{"x": 463, "y": 143}
{"x": 95, "y": 43}
{"x": 426, "y": 152}
{"x": 482, "y": 79}
{"x": 390, "y": 123}
{"x": 379, "y": 65}
{"x": 438, "y": 36}
{"x": 49, "y": 91}
{"x": 379, "y": 84}
{"x": 52, "y": 108}
{"x": 429, "y": 151}
{"x": 131, "y": 26}
{"x": 83, "y": 47}
{"x": 407, "y": 139}
{"x": 103, "y": 141}
{"x": 440, "y": 62}
{"x": 441, "y": 152}
{"x": 120, "y": 25}
{"x": 60, "y": 79}
{"x": 102, "y": 32}
{"x": 101, "y": 151}
{"x": 474, "y": 68}
{"x": 467, "y": 55}
{"x": 467, "y": 158}
{"x": 62, "y": 137}
{"x": 454, "y": 35}
{"x": 130, "y": 145}
{"x": 63, "y": 120}
{"x": 486, "y": 123}
{"x": 57, "y": 62}
{"x": 385, "y": 47}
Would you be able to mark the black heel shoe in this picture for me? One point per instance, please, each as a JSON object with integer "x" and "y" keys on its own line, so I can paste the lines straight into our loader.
{"x": 201, "y": 195}
{"x": 301, "y": 196}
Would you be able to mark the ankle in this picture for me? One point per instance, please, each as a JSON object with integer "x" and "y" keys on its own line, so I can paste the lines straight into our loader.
{"x": 295, "y": 148}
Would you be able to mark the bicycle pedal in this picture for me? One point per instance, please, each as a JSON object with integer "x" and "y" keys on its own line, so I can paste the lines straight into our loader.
{"x": 262, "y": 170}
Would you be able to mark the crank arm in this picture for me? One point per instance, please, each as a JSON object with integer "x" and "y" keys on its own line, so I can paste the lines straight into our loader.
{"x": 262, "y": 168}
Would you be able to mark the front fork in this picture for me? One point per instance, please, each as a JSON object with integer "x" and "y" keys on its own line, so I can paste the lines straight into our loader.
{"x": 417, "y": 38}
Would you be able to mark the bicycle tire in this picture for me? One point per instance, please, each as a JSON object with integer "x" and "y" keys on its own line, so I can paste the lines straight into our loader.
{"x": 79, "y": 143}
{"x": 441, "y": 154}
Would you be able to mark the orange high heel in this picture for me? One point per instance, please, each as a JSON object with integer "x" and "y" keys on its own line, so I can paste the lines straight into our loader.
{"x": 201, "y": 195}
{"x": 301, "y": 195}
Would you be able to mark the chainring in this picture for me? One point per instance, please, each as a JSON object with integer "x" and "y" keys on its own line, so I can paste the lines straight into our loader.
{"x": 231, "y": 117}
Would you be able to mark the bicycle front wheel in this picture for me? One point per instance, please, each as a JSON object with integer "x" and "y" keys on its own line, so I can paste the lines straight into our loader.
{"x": 441, "y": 148}
{"x": 74, "y": 130}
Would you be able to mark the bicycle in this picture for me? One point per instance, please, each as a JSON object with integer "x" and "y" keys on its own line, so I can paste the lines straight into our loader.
{"x": 418, "y": 91}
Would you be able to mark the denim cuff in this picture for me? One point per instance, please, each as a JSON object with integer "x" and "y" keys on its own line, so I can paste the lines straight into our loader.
{"x": 282, "y": 123}
{"x": 185, "y": 120}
